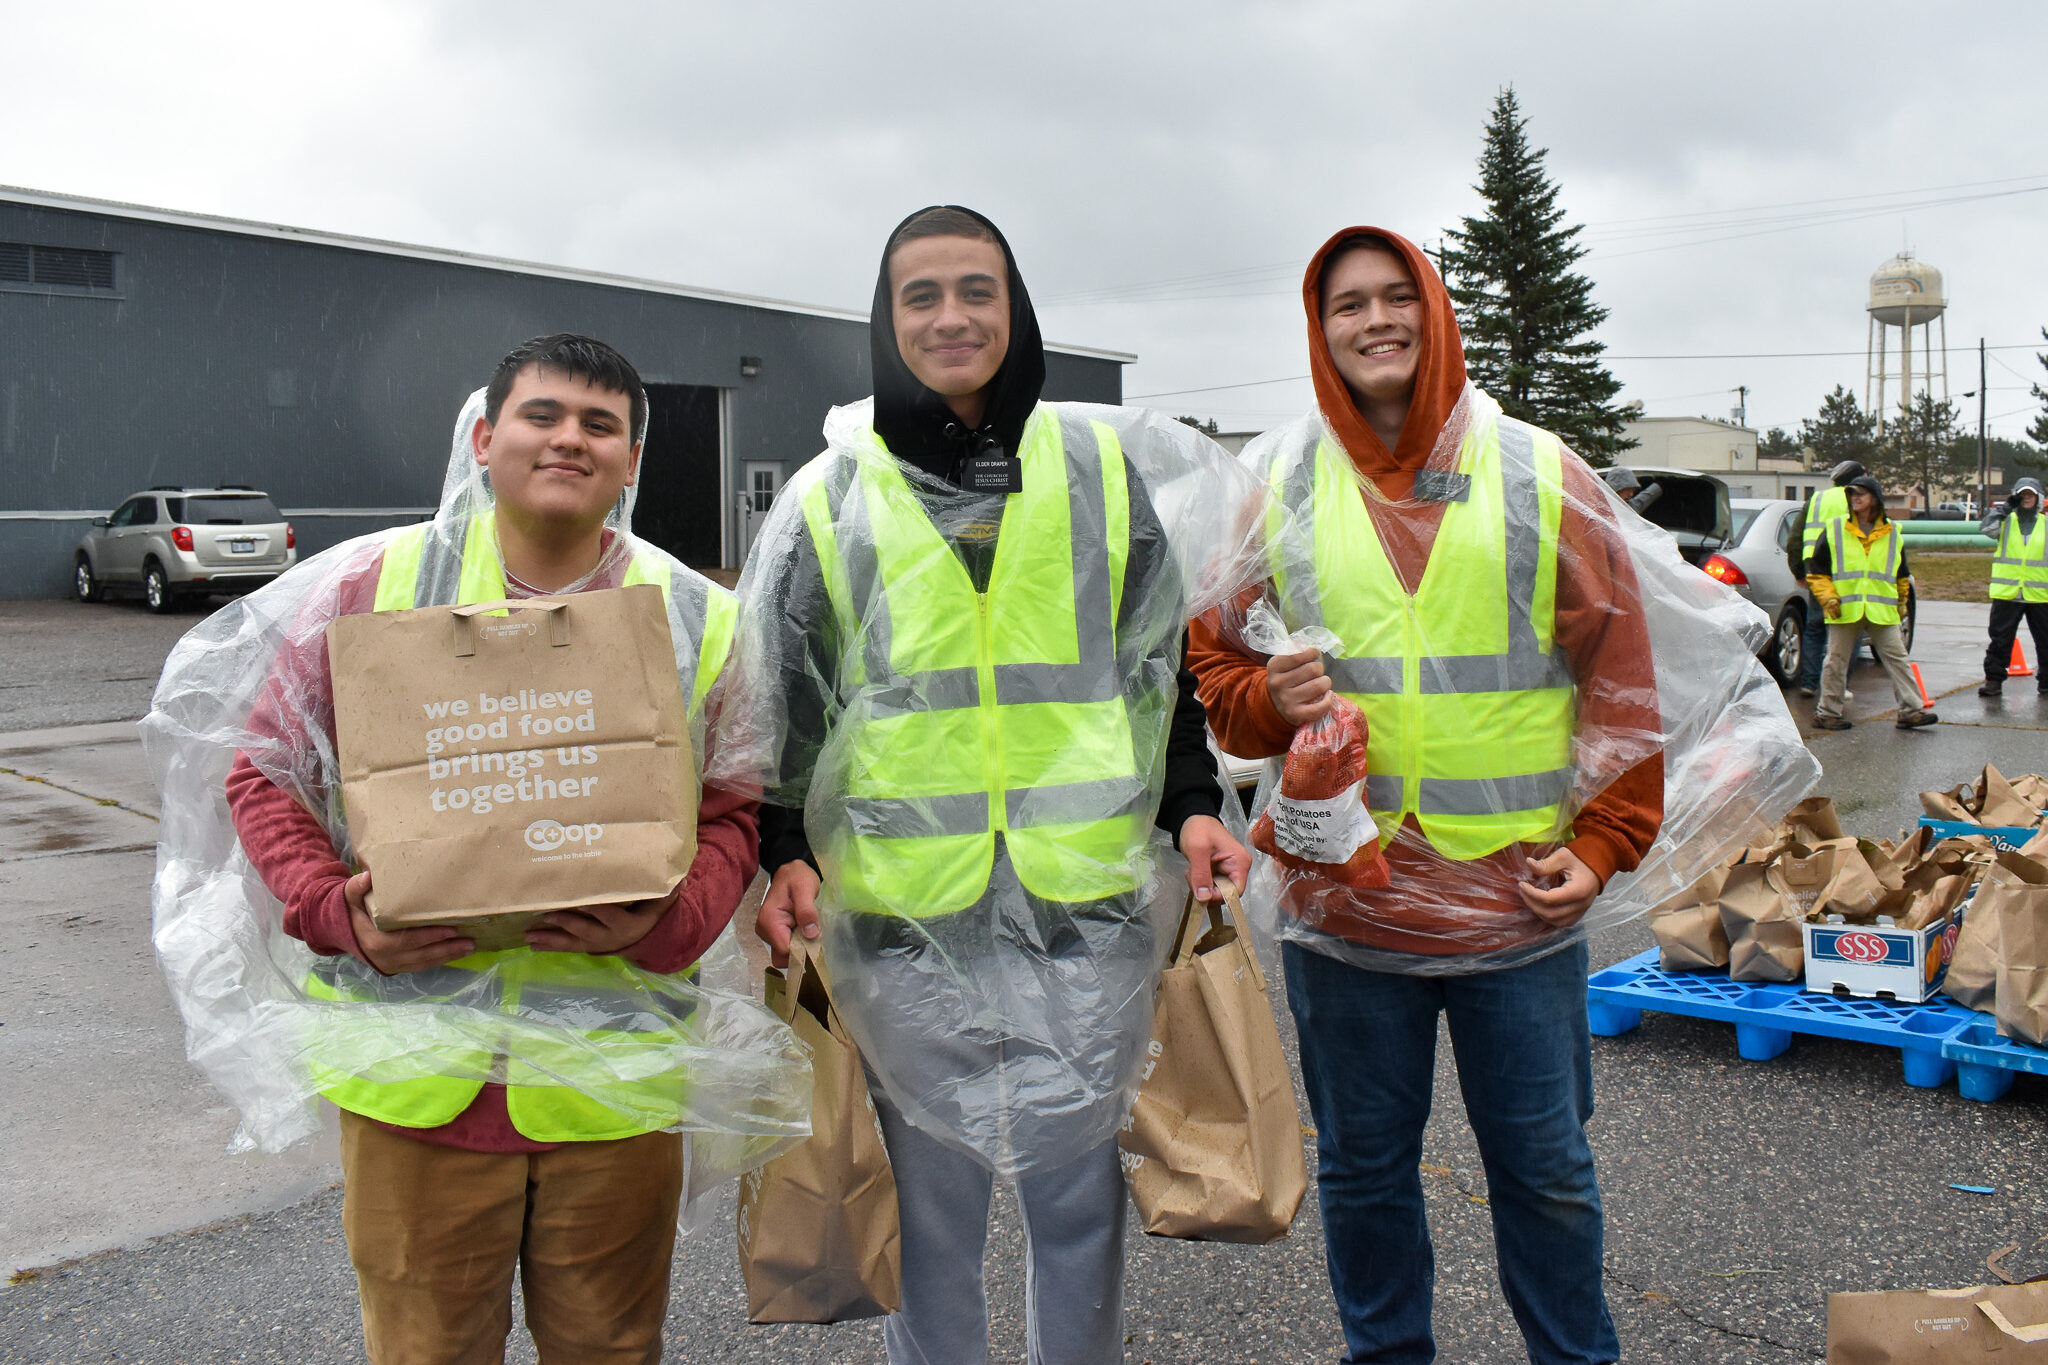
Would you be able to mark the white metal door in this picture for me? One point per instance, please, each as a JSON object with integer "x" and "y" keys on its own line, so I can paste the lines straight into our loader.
{"x": 762, "y": 482}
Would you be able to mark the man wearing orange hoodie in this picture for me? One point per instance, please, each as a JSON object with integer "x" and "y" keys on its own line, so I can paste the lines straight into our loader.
{"x": 1493, "y": 637}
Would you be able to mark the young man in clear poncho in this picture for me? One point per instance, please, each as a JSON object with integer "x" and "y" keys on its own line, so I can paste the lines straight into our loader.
{"x": 515, "y": 1109}
{"x": 967, "y": 711}
{"x": 1494, "y": 610}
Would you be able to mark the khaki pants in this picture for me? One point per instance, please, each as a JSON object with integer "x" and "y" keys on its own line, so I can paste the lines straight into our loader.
{"x": 1890, "y": 648}
{"x": 436, "y": 1232}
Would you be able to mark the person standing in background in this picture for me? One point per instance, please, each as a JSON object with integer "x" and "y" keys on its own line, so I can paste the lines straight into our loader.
{"x": 1859, "y": 575}
{"x": 2019, "y": 584}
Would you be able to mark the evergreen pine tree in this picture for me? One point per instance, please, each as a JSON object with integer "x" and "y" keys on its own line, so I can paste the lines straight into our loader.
{"x": 1527, "y": 317}
{"x": 1924, "y": 448}
{"x": 1842, "y": 431}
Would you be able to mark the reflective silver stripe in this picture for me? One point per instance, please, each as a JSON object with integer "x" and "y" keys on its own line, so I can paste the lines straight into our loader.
{"x": 1092, "y": 678}
{"x": 925, "y": 817}
{"x": 1298, "y": 495}
{"x": 440, "y": 576}
{"x": 1074, "y": 803}
{"x": 1093, "y": 675}
{"x": 917, "y": 817}
{"x": 1490, "y": 795}
{"x": 1526, "y": 666}
{"x": 1365, "y": 676}
{"x": 1473, "y": 795}
{"x": 348, "y": 977}
{"x": 590, "y": 1011}
{"x": 1523, "y": 671}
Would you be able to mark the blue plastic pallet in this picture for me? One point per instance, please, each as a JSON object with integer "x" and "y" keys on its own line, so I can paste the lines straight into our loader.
{"x": 1766, "y": 1016}
{"x": 1986, "y": 1061}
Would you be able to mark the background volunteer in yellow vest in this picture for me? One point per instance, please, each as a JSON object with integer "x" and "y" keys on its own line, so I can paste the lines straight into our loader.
{"x": 967, "y": 713}
{"x": 1859, "y": 575}
{"x": 1824, "y": 503}
{"x": 493, "y": 1104}
{"x": 2019, "y": 583}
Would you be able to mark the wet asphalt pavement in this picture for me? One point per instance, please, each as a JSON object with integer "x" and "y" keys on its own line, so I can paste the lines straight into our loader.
{"x": 1738, "y": 1194}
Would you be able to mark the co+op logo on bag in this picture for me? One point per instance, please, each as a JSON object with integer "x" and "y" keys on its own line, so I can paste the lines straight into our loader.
{"x": 548, "y": 836}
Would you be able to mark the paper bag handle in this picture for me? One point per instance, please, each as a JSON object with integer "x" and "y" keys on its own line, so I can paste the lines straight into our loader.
{"x": 1184, "y": 941}
{"x": 558, "y": 620}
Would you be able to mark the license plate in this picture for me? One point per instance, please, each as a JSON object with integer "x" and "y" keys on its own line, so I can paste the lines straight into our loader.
{"x": 241, "y": 547}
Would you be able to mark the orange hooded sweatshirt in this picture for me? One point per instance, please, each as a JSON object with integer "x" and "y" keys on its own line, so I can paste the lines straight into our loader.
{"x": 1600, "y": 627}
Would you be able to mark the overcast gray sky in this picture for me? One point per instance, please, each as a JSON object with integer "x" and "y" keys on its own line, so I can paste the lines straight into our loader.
{"x": 1163, "y": 170}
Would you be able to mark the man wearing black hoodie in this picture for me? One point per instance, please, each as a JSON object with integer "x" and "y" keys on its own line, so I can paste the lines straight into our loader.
{"x": 969, "y": 709}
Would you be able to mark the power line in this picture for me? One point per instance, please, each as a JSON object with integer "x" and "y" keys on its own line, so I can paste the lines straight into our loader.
{"x": 1218, "y": 388}
{"x": 1805, "y": 203}
{"x": 1730, "y": 355}
{"x": 1233, "y": 283}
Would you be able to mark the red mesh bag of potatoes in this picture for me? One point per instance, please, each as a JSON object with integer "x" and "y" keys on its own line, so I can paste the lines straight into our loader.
{"x": 1316, "y": 822}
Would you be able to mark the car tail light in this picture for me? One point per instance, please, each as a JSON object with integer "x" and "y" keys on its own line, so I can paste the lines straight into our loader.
{"x": 291, "y": 537}
{"x": 181, "y": 536}
{"x": 1723, "y": 568}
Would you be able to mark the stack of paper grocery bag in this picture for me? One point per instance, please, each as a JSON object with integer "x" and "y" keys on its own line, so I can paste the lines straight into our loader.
{"x": 1745, "y": 916}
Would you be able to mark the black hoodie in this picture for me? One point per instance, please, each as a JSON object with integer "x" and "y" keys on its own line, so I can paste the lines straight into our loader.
{"x": 915, "y": 422}
{"x": 922, "y": 431}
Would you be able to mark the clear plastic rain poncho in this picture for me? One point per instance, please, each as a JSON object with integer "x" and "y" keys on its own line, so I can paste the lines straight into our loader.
{"x": 1621, "y": 655}
{"x": 241, "y": 681}
{"x": 979, "y": 771}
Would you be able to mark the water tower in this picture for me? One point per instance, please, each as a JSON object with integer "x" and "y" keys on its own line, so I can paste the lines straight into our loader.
{"x": 1904, "y": 293}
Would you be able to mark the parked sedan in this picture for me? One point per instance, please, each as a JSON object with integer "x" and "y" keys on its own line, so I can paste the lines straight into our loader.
{"x": 174, "y": 542}
{"x": 1757, "y": 563}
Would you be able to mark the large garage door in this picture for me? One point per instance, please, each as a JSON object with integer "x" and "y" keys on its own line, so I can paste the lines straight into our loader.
{"x": 680, "y": 505}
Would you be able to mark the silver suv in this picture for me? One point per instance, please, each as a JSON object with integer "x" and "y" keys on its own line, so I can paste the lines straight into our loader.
{"x": 174, "y": 542}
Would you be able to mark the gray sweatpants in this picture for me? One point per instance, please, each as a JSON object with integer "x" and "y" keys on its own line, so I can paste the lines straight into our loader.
{"x": 1074, "y": 1253}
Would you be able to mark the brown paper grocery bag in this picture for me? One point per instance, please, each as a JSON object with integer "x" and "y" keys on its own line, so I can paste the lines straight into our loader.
{"x": 819, "y": 1236}
{"x": 2000, "y": 803}
{"x": 497, "y": 766}
{"x": 1972, "y": 979}
{"x": 1813, "y": 821}
{"x": 2032, "y": 789}
{"x": 2001, "y": 1324}
{"x": 1857, "y": 890}
{"x": 2017, "y": 889}
{"x": 1212, "y": 1148}
{"x": 1764, "y": 939}
{"x": 1949, "y": 805}
{"x": 1688, "y": 928}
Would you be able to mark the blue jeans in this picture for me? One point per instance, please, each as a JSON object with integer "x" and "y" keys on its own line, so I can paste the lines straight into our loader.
{"x": 1813, "y": 646}
{"x": 1525, "y": 1067}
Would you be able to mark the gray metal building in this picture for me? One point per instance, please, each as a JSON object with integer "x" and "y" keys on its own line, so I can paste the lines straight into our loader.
{"x": 140, "y": 346}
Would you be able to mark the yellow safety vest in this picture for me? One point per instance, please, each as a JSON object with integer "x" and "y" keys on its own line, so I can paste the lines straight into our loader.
{"x": 1867, "y": 581}
{"x": 968, "y": 715}
{"x": 612, "y": 1079}
{"x": 1471, "y": 708}
{"x": 1828, "y": 503}
{"x": 2019, "y": 568}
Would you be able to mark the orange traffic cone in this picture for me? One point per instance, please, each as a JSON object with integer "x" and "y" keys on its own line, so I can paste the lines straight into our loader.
{"x": 2018, "y": 667}
{"x": 1926, "y": 702}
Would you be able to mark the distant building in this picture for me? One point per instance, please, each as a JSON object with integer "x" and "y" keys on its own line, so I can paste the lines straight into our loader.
{"x": 1723, "y": 449}
{"x": 141, "y": 346}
